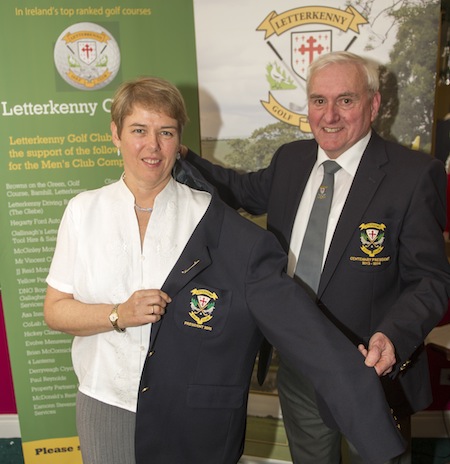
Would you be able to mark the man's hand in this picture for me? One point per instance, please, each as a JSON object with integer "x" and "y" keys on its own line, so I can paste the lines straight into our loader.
{"x": 380, "y": 354}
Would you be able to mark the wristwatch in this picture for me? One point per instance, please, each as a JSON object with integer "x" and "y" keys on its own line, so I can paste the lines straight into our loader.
{"x": 114, "y": 317}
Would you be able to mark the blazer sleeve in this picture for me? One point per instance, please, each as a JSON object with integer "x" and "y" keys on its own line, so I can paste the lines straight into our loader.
{"x": 423, "y": 264}
{"x": 249, "y": 191}
{"x": 290, "y": 321}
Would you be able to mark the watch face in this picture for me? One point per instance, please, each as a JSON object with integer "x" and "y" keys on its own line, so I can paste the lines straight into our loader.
{"x": 113, "y": 317}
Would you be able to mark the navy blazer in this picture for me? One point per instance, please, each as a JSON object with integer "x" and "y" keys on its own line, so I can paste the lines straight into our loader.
{"x": 228, "y": 290}
{"x": 398, "y": 283}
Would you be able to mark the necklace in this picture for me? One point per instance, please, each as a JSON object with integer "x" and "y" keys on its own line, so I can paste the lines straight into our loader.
{"x": 144, "y": 210}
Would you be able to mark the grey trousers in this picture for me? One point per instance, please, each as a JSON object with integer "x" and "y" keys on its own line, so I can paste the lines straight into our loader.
{"x": 106, "y": 432}
{"x": 310, "y": 440}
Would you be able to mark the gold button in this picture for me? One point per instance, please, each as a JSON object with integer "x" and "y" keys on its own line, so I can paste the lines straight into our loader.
{"x": 145, "y": 389}
{"x": 405, "y": 365}
{"x": 150, "y": 353}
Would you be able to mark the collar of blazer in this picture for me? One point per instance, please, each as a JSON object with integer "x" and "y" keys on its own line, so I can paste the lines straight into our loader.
{"x": 196, "y": 256}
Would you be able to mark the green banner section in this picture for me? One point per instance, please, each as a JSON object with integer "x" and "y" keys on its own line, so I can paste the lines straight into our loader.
{"x": 60, "y": 66}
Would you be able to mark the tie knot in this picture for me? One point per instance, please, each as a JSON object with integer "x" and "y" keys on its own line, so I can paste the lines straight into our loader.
{"x": 330, "y": 167}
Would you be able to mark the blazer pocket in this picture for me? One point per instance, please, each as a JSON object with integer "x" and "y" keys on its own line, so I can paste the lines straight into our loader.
{"x": 216, "y": 396}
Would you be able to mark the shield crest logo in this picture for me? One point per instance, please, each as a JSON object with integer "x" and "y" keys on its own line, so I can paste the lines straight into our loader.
{"x": 372, "y": 234}
{"x": 203, "y": 304}
{"x": 306, "y": 46}
{"x": 203, "y": 301}
{"x": 322, "y": 193}
{"x": 372, "y": 238}
{"x": 87, "y": 51}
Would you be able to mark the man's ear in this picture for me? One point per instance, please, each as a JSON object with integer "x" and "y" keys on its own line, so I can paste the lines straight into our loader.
{"x": 375, "y": 106}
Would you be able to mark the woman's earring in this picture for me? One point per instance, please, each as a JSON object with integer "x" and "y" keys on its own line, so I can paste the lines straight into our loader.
{"x": 118, "y": 152}
{"x": 178, "y": 156}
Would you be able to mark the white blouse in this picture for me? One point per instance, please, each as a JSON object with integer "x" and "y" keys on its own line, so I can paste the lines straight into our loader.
{"x": 98, "y": 259}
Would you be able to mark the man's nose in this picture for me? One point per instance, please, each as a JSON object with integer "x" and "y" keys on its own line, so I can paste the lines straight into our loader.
{"x": 331, "y": 113}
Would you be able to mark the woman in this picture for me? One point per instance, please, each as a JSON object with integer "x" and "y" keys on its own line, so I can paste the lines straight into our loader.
{"x": 116, "y": 246}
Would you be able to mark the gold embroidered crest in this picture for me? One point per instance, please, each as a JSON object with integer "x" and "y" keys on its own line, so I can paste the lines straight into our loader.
{"x": 203, "y": 304}
{"x": 372, "y": 238}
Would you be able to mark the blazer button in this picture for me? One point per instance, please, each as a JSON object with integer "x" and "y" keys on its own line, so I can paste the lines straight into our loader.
{"x": 395, "y": 419}
{"x": 150, "y": 353}
{"x": 405, "y": 365}
{"x": 145, "y": 389}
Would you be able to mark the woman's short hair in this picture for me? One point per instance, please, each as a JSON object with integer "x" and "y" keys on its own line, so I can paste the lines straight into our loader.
{"x": 370, "y": 68}
{"x": 151, "y": 93}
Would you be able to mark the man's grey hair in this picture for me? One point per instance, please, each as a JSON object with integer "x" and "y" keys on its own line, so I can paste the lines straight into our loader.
{"x": 370, "y": 68}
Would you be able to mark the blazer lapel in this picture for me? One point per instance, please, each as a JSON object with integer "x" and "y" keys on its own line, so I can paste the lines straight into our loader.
{"x": 365, "y": 184}
{"x": 196, "y": 256}
{"x": 192, "y": 262}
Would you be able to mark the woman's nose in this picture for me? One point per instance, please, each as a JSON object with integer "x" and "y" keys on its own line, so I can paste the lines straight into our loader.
{"x": 153, "y": 142}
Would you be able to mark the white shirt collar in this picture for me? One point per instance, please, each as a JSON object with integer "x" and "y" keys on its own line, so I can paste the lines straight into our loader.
{"x": 350, "y": 159}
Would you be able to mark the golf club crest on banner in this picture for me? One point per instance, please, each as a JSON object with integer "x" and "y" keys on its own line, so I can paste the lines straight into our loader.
{"x": 312, "y": 30}
{"x": 87, "y": 56}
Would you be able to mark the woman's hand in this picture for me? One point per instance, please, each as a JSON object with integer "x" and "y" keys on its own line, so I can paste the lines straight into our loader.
{"x": 143, "y": 307}
{"x": 65, "y": 314}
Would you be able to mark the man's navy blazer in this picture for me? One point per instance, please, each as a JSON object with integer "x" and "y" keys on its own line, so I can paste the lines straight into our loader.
{"x": 386, "y": 268}
{"x": 228, "y": 291}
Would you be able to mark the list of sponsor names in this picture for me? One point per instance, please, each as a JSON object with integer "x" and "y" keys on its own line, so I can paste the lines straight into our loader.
{"x": 35, "y": 211}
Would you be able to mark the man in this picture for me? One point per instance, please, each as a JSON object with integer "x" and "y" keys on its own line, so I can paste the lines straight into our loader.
{"x": 385, "y": 279}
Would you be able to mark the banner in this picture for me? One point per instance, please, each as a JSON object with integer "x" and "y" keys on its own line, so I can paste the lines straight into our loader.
{"x": 253, "y": 58}
{"x": 61, "y": 62}
{"x": 60, "y": 66}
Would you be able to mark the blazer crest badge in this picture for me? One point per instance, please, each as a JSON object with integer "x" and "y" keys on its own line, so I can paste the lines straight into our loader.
{"x": 202, "y": 304}
{"x": 372, "y": 238}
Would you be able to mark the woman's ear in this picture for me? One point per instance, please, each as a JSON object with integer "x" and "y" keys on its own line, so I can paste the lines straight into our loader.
{"x": 115, "y": 134}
